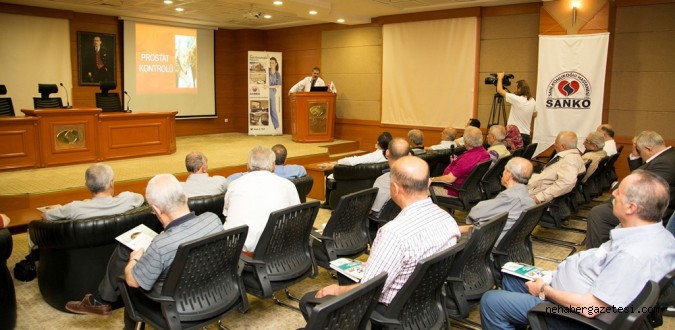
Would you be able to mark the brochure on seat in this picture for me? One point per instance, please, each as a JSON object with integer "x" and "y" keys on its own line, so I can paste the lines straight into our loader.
{"x": 352, "y": 269}
{"x": 138, "y": 237}
{"x": 526, "y": 271}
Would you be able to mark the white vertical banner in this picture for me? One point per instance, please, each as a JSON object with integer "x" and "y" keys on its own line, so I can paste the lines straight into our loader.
{"x": 264, "y": 93}
{"x": 570, "y": 86}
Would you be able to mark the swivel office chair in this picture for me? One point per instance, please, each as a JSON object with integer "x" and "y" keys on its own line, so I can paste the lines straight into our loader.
{"x": 108, "y": 102}
{"x": 45, "y": 101}
{"x": 6, "y": 106}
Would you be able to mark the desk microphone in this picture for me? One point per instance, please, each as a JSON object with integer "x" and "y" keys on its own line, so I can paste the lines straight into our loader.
{"x": 67, "y": 98}
{"x": 127, "y": 94}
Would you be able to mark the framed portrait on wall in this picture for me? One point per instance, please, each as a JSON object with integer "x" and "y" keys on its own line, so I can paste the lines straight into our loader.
{"x": 95, "y": 57}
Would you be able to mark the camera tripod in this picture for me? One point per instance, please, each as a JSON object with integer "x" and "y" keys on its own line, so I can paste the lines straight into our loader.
{"x": 498, "y": 109}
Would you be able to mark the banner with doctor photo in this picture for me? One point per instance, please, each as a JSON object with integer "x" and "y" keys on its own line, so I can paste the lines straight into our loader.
{"x": 570, "y": 86}
{"x": 264, "y": 93}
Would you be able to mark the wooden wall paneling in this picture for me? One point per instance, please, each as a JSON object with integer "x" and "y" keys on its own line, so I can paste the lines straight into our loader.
{"x": 548, "y": 25}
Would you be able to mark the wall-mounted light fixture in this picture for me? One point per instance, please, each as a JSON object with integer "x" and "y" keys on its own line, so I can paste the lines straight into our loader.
{"x": 575, "y": 5}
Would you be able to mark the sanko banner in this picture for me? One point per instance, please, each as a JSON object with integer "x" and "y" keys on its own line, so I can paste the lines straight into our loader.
{"x": 264, "y": 93}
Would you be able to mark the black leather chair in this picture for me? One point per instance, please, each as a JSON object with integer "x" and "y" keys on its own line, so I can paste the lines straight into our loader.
{"x": 351, "y": 310}
{"x": 419, "y": 303}
{"x": 7, "y": 293}
{"x": 516, "y": 244}
{"x": 592, "y": 187}
{"x": 349, "y": 179}
{"x": 108, "y": 102}
{"x": 202, "y": 284}
{"x": 623, "y": 321}
{"x": 529, "y": 151}
{"x": 74, "y": 254}
{"x": 491, "y": 183}
{"x": 610, "y": 175}
{"x": 518, "y": 152}
{"x": 6, "y": 106}
{"x": 666, "y": 299}
{"x": 346, "y": 232}
{"x": 208, "y": 203}
{"x": 44, "y": 101}
{"x": 303, "y": 185}
{"x": 469, "y": 192}
{"x": 283, "y": 255}
{"x": 471, "y": 275}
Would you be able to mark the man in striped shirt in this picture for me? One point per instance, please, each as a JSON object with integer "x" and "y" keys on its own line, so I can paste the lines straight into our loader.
{"x": 147, "y": 269}
{"x": 420, "y": 230}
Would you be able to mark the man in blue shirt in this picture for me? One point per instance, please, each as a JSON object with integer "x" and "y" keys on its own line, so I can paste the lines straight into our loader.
{"x": 280, "y": 167}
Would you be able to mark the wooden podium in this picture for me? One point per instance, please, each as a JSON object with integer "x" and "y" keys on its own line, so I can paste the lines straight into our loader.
{"x": 313, "y": 116}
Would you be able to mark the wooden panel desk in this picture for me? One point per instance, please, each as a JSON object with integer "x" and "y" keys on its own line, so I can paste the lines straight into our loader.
{"x": 124, "y": 135}
{"x": 19, "y": 143}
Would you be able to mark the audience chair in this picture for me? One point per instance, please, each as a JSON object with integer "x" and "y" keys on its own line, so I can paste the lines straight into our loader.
{"x": 419, "y": 303}
{"x": 208, "y": 203}
{"x": 491, "y": 183}
{"x": 303, "y": 185}
{"x": 45, "y": 101}
{"x": 6, "y": 106}
{"x": 666, "y": 298}
{"x": 538, "y": 316}
{"x": 469, "y": 191}
{"x": 351, "y": 310}
{"x": 388, "y": 212}
{"x": 518, "y": 152}
{"x": 610, "y": 174}
{"x": 7, "y": 292}
{"x": 108, "y": 102}
{"x": 471, "y": 274}
{"x": 283, "y": 255}
{"x": 516, "y": 244}
{"x": 529, "y": 150}
{"x": 201, "y": 286}
{"x": 346, "y": 232}
{"x": 592, "y": 187}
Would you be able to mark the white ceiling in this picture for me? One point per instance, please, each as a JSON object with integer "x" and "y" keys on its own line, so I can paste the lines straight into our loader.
{"x": 236, "y": 14}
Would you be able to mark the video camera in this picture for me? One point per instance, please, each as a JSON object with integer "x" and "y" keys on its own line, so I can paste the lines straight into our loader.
{"x": 492, "y": 79}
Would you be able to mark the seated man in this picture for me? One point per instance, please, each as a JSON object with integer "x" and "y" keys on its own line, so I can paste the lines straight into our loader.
{"x": 495, "y": 138}
{"x": 473, "y": 122}
{"x": 420, "y": 230}
{"x": 250, "y": 199}
{"x": 641, "y": 249}
{"x": 515, "y": 200}
{"x": 100, "y": 181}
{"x": 447, "y": 139}
{"x": 398, "y": 148}
{"x": 461, "y": 167}
{"x": 650, "y": 154}
{"x": 416, "y": 138}
{"x": 593, "y": 143}
{"x": 147, "y": 269}
{"x": 283, "y": 170}
{"x": 199, "y": 183}
{"x": 608, "y": 134}
{"x": 560, "y": 174}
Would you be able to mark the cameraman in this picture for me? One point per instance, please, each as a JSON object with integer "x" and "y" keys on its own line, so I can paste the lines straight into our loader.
{"x": 522, "y": 106}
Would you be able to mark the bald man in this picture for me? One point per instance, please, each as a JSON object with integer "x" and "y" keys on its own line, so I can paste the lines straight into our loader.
{"x": 447, "y": 139}
{"x": 419, "y": 231}
{"x": 560, "y": 174}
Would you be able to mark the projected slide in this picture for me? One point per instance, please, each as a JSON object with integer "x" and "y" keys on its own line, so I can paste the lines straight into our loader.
{"x": 169, "y": 68}
{"x": 166, "y": 59}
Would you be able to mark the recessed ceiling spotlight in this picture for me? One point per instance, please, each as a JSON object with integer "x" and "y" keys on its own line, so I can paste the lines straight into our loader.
{"x": 267, "y": 16}
{"x": 168, "y": 2}
{"x": 278, "y": 3}
{"x": 313, "y": 12}
{"x": 340, "y": 20}
{"x": 179, "y": 9}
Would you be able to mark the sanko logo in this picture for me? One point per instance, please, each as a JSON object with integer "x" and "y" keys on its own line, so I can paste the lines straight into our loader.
{"x": 568, "y": 90}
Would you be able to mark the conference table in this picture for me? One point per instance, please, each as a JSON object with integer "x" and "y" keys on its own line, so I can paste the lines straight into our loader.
{"x": 52, "y": 137}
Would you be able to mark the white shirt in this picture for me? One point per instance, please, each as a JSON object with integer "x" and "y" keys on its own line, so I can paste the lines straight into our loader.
{"x": 521, "y": 113}
{"x": 201, "y": 184}
{"x": 376, "y": 156}
{"x": 250, "y": 199}
{"x": 443, "y": 145}
{"x": 304, "y": 85}
{"x": 383, "y": 192}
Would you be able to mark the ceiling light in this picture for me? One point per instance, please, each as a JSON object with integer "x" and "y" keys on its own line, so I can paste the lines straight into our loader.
{"x": 168, "y": 2}
{"x": 267, "y": 16}
{"x": 313, "y": 12}
{"x": 179, "y": 9}
{"x": 278, "y": 3}
{"x": 340, "y": 20}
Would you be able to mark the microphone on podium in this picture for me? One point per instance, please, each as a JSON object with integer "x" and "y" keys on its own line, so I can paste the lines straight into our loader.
{"x": 67, "y": 98}
{"x": 127, "y": 94}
